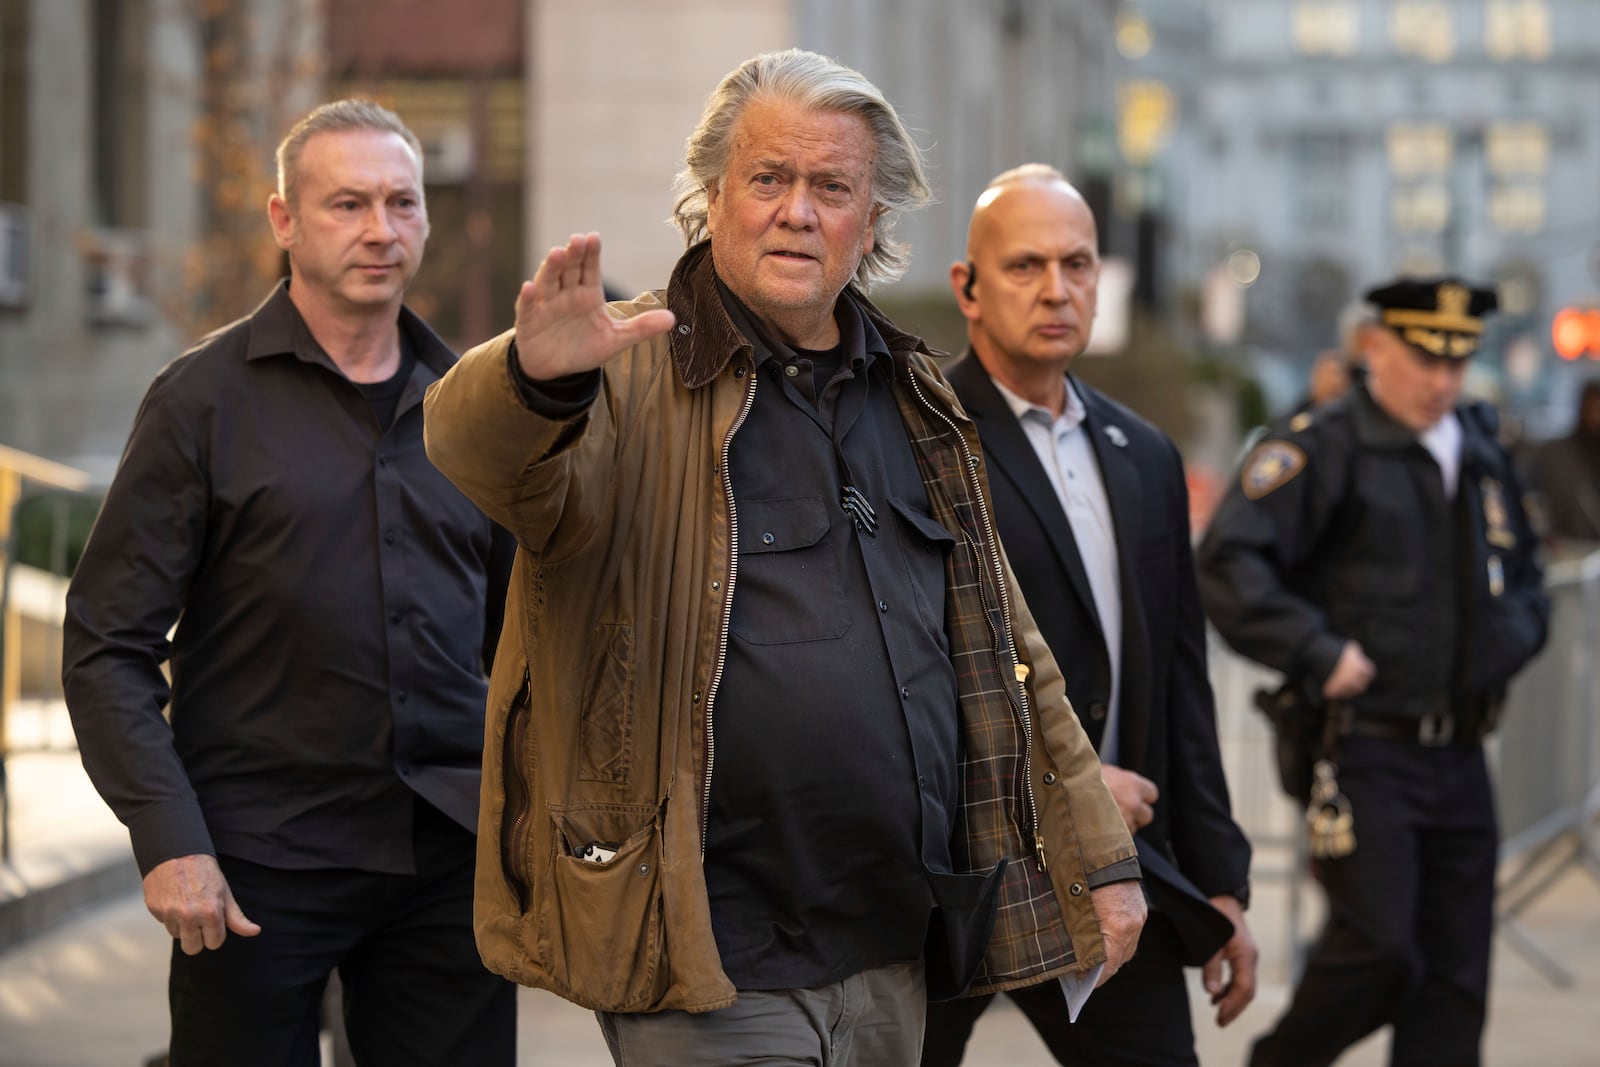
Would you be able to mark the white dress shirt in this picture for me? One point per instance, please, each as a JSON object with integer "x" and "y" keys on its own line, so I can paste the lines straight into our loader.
{"x": 1443, "y": 441}
{"x": 1063, "y": 447}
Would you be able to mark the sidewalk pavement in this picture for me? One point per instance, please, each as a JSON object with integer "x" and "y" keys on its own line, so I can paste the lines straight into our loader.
{"x": 83, "y": 966}
{"x": 66, "y": 850}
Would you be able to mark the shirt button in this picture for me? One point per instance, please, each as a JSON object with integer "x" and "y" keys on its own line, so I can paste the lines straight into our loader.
{"x": 715, "y": 586}
{"x": 921, "y": 780}
{"x": 388, "y": 537}
{"x": 791, "y": 370}
{"x": 402, "y": 696}
{"x": 904, "y": 691}
{"x": 1097, "y": 711}
{"x": 405, "y": 770}
{"x": 767, "y": 538}
{"x": 883, "y": 605}
{"x": 394, "y": 617}
{"x": 383, "y": 461}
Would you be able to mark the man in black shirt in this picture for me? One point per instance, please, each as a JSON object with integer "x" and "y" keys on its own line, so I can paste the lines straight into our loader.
{"x": 337, "y": 601}
{"x": 796, "y": 757}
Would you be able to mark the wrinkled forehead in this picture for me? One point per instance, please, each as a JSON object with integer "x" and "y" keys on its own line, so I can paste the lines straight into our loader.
{"x": 792, "y": 136}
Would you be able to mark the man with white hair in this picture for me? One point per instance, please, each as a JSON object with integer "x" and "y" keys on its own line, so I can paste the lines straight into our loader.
{"x": 774, "y": 747}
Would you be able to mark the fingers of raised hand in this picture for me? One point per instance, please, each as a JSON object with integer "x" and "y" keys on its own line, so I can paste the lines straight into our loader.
{"x": 567, "y": 268}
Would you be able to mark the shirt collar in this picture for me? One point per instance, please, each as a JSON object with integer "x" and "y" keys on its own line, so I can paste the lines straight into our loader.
{"x": 860, "y": 341}
{"x": 277, "y": 329}
{"x": 1070, "y": 419}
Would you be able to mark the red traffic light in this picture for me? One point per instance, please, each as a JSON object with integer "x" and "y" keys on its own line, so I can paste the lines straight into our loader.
{"x": 1575, "y": 332}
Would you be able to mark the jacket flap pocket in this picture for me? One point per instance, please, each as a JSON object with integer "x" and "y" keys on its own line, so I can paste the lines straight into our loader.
{"x": 926, "y": 526}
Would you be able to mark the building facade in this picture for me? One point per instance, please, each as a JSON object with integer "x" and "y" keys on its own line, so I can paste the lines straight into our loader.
{"x": 617, "y": 85}
{"x": 1343, "y": 141}
{"x": 119, "y": 155}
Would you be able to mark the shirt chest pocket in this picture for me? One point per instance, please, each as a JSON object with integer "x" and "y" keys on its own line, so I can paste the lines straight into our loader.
{"x": 788, "y": 588}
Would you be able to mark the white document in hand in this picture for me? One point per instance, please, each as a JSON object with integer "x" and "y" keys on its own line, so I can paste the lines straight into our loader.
{"x": 1077, "y": 988}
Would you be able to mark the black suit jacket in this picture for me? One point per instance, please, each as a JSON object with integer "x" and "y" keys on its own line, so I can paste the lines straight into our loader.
{"x": 1192, "y": 849}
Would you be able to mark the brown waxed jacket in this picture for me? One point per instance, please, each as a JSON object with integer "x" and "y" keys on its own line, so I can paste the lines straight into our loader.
{"x": 618, "y": 615}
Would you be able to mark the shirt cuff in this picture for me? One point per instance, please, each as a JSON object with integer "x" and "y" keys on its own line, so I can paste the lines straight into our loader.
{"x": 1319, "y": 658}
{"x": 558, "y": 399}
{"x": 1121, "y": 871}
{"x": 167, "y": 832}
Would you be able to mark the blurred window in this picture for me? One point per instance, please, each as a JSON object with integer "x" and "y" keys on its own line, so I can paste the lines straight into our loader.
{"x": 1518, "y": 208}
{"x": 1423, "y": 28}
{"x": 1148, "y": 110}
{"x": 1422, "y": 208}
{"x": 1516, "y": 29}
{"x": 1321, "y": 178}
{"x": 1419, "y": 149}
{"x": 14, "y": 101}
{"x": 1326, "y": 27}
{"x": 1517, "y": 148}
{"x": 120, "y": 65}
{"x": 1133, "y": 35}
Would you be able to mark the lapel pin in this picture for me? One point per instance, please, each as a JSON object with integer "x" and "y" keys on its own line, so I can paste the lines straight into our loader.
{"x": 1116, "y": 436}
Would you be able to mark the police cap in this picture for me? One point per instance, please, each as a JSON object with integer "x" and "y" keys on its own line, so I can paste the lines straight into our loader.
{"x": 1440, "y": 316}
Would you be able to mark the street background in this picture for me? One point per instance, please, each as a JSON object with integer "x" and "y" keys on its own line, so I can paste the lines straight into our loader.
{"x": 1255, "y": 165}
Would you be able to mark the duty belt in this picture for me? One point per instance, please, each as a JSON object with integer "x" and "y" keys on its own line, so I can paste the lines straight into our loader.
{"x": 1435, "y": 729}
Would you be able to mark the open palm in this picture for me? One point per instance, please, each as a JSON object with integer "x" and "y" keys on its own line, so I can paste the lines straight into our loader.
{"x": 563, "y": 326}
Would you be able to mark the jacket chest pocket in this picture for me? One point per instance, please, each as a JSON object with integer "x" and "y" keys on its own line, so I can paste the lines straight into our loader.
{"x": 788, "y": 588}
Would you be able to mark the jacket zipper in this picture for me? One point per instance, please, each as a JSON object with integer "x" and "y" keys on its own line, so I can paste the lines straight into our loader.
{"x": 514, "y": 821}
{"x": 1020, "y": 699}
{"x": 727, "y": 610}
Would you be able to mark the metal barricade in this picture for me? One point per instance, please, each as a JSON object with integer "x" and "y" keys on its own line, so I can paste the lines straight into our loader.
{"x": 31, "y": 489}
{"x": 1546, "y": 769}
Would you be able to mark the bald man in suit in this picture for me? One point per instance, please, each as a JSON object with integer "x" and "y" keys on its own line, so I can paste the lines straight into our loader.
{"x": 1092, "y": 508}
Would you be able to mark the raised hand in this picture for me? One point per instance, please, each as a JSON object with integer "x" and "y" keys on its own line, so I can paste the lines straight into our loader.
{"x": 562, "y": 324}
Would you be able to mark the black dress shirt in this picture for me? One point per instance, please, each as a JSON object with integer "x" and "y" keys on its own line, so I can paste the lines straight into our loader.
{"x": 336, "y": 603}
{"x": 836, "y": 726}
{"x": 834, "y": 790}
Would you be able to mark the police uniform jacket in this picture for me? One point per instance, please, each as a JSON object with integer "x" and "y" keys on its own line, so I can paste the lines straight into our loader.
{"x": 1339, "y": 529}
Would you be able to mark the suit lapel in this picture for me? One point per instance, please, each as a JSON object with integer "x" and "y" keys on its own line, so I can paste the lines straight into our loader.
{"x": 1123, "y": 488}
{"x": 1009, "y": 452}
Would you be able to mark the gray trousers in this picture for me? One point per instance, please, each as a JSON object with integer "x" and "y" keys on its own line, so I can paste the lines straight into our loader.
{"x": 871, "y": 1019}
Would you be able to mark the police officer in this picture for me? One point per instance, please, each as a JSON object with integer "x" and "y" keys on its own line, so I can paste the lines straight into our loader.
{"x": 1376, "y": 550}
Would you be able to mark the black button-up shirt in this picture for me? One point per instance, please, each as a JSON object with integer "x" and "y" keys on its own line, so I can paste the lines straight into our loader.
{"x": 836, "y": 722}
{"x": 336, "y": 602}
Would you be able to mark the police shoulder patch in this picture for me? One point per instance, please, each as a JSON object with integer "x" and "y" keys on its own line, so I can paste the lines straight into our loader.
{"x": 1272, "y": 465}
